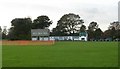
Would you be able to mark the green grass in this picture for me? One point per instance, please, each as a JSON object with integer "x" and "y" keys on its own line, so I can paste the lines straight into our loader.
{"x": 62, "y": 54}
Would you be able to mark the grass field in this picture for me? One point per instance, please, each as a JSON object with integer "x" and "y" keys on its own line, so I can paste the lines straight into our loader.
{"x": 62, "y": 54}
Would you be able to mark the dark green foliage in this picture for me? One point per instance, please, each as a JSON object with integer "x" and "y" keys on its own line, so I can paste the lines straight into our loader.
{"x": 83, "y": 28}
{"x": 4, "y": 33}
{"x": 4, "y": 36}
{"x": 113, "y": 31}
{"x": 58, "y": 32}
{"x": 98, "y": 34}
{"x": 90, "y": 34}
{"x": 21, "y": 29}
{"x": 0, "y": 29}
{"x": 91, "y": 30}
{"x": 68, "y": 24}
{"x": 117, "y": 34}
{"x": 93, "y": 26}
{"x": 41, "y": 22}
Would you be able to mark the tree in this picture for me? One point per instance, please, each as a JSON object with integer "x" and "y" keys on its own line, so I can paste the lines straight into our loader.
{"x": 116, "y": 25}
{"x": 4, "y": 33}
{"x": 56, "y": 32}
{"x": 21, "y": 29}
{"x": 69, "y": 24}
{"x": 0, "y": 29}
{"x": 117, "y": 34}
{"x": 113, "y": 30}
{"x": 110, "y": 33}
{"x": 98, "y": 34}
{"x": 90, "y": 34}
{"x": 11, "y": 34}
{"x": 41, "y": 22}
{"x": 93, "y": 26}
{"x": 91, "y": 30}
{"x": 83, "y": 28}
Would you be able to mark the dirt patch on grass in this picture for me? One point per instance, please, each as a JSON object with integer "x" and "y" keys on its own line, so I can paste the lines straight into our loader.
{"x": 24, "y": 42}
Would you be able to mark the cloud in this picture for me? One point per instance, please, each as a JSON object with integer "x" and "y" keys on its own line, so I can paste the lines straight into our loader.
{"x": 101, "y": 11}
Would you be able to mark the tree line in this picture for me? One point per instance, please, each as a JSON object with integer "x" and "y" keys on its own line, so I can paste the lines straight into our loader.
{"x": 68, "y": 25}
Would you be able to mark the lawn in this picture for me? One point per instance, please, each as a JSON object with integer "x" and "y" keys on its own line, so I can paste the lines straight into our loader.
{"x": 62, "y": 54}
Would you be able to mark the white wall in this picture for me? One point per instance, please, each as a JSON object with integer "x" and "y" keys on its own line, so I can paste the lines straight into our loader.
{"x": 85, "y": 38}
{"x": 60, "y": 38}
{"x": 34, "y": 38}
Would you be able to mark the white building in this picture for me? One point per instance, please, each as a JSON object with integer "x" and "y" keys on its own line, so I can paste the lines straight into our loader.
{"x": 83, "y": 36}
{"x": 43, "y": 35}
{"x": 40, "y": 34}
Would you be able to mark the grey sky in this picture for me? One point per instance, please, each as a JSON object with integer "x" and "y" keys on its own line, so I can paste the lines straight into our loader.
{"x": 102, "y": 11}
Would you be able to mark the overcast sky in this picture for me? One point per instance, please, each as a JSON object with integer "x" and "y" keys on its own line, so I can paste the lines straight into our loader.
{"x": 102, "y": 11}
